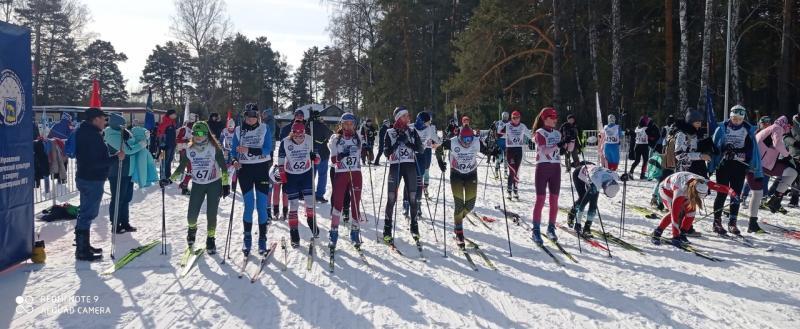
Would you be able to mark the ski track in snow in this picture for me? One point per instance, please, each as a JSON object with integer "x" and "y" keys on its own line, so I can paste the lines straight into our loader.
{"x": 665, "y": 287}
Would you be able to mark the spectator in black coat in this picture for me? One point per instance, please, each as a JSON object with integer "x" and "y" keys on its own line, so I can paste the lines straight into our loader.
{"x": 381, "y": 134}
{"x": 93, "y": 163}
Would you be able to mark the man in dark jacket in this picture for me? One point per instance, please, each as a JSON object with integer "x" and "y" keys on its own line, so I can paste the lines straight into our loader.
{"x": 167, "y": 134}
{"x": 569, "y": 136}
{"x": 93, "y": 162}
{"x": 381, "y": 134}
{"x": 321, "y": 135}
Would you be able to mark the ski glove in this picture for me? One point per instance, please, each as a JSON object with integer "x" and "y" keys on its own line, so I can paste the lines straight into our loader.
{"x": 226, "y": 191}
{"x": 315, "y": 158}
{"x": 442, "y": 166}
{"x": 284, "y": 179}
{"x": 164, "y": 182}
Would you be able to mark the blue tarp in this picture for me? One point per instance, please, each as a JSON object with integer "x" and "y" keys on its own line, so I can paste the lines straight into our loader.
{"x": 16, "y": 145}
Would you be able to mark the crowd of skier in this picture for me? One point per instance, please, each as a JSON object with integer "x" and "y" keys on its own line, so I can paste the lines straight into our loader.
{"x": 278, "y": 169}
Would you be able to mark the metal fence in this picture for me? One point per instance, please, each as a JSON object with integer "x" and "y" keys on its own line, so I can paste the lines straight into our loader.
{"x": 51, "y": 190}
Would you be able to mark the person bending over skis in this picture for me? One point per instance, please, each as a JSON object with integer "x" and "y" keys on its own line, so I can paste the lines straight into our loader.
{"x": 589, "y": 179}
{"x": 682, "y": 194}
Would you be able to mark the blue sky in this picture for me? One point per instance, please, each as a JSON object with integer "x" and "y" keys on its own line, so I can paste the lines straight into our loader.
{"x": 135, "y": 27}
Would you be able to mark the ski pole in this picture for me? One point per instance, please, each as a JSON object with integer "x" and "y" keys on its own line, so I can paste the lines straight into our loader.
{"x": 572, "y": 192}
{"x": 116, "y": 196}
{"x": 230, "y": 219}
{"x": 420, "y": 186}
{"x": 605, "y": 236}
{"x": 505, "y": 211}
{"x": 444, "y": 210}
{"x": 163, "y": 208}
{"x": 380, "y": 202}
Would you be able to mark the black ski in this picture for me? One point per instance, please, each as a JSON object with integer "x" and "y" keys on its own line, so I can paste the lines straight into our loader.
{"x": 419, "y": 249}
{"x": 478, "y": 218}
{"x": 361, "y": 255}
{"x": 244, "y": 264}
{"x": 310, "y": 258}
{"x": 264, "y": 261}
{"x": 331, "y": 258}
{"x": 549, "y": 253}
{"x": 474, "y": 246}
{"x": 561, "y": 249}
{"x": 285, "y": 254}
{"x": 622, "y": 243}
{"x": 684, "y": 247}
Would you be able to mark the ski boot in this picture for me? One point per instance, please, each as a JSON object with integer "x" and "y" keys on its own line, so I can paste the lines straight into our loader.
{"x": 774, "y": 203}
{"x": 684, "y": 239}
{"x": 642, "y": 177}
{"x": 625, "y": 177}
{"x": 248, "y": 238}
{"x": 276, "y": 211}
{"x": 211, "y": 245}
{"x": 586, "y": 232}
{"x": 388, "y": 239}
{"x": 294, "y": 235}
{"x": 655, "y": 238}
{"x": 262, "y": 239}
{"x": 333, "y": 234}
{"x": 537, "y": 234}
{"x": 321, "y": 199}
{"x": 516, "y": 195}
{"x": 678, "y": 242}
{"x": 285, "y": 214}
{"x": 92, "y": 249}
{"x": 752, "y": 226}
{"x": 571, "y": 218}
{"x": 355, "y": 237}
{"x": 717, "y": 227}
{"x": 793, "y": 200}
{"x": 190, "y": 236}
{"x": 82, "y": 251}
{"x": 313, "y": 226}
{"x": 551, "y": 232}
{"x": 732, "y": 227}
{"x": 691, "y": 232}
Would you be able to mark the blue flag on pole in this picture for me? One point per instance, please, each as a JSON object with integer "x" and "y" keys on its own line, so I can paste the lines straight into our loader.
{"x": 149, "y": 117}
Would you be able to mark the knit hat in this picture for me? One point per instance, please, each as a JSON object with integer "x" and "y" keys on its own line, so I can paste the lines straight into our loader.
{"x": 693, "y": 115}
{"x": 171, "y": 112}
{"x": 399, "y": 112}
{"x": 466, "y": 135}
{"x": 548, "y": 112}
{"x": 738, "y": 111}
{"x": 116, "y": 121}
{"x": 612, "y": 119}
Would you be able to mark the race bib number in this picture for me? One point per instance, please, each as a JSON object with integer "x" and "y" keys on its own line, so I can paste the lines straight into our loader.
{"x": 298, "y": 159}
{"x": 641, "y": 136}
{"x": 204, "y": 165}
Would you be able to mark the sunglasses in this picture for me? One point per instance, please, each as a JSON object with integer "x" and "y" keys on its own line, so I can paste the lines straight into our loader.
{"x": 467, "y": 139}
{"x": 199, "y": 133}
{"x": 512, "y": 118}
{"x": 251, "y": 114}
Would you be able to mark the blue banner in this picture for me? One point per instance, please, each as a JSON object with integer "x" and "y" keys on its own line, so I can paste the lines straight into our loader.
{"x": 710, "y": 117}
{"x": 16, "y": 148}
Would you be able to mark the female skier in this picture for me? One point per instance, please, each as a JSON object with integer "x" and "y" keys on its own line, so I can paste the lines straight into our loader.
{"x": 345, "y": 147}
{"x": 548, "y": 171}
{"x": 736, "y": 141}
{"x": 294, "y": 162}
{"x": 209, "y": 181}
{"x": 612, "y": 135}
{"x": 252, "y": 157}
{"x": 463, "y": 157}
{"x": 589, "y": 179}
{"x": 516, "y": 134}
{"x": 682, "y": 194}
{"x": 401, "y": 145}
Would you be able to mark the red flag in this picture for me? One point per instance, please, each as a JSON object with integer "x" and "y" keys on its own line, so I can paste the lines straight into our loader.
{"x": 94, "y": 100}
{"x": 228, "y": 118}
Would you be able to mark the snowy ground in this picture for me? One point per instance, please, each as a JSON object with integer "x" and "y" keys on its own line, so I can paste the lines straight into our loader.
{"x": 665, "y": 287}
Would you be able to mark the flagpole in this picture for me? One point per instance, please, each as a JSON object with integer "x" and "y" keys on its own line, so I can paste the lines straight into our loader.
{"x": 727, "y": 62}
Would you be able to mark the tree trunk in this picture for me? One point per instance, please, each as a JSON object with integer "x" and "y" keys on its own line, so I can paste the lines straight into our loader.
{"x": 706, "y": 61}
{"x": 684, "y": 58}
{"x": 616, "y": 66}
{"x": 593, "y": 41}
{"x": 669, "y": 57}
{"x": 736, "y": 87}
{"x": 786, "y": 59}
{"x": 556, "y": 55}
{"x": 576, "y": 65}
